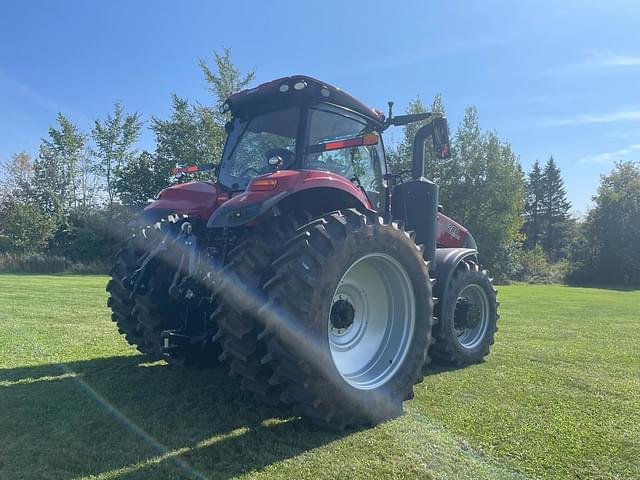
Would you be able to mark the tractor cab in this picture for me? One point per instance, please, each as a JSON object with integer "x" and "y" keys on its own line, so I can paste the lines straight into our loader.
{"x": 299, "y": 123}
{"x": 300, "y": 141}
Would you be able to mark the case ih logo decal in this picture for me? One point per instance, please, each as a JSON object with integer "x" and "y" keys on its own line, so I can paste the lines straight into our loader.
{"x": 453, "y": 231}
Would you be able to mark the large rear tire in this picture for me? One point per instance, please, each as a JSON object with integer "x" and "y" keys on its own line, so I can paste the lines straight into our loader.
{"x": 349, "y": 319}
{"x": 247, "y": 267}
{"x": 467, "y": 318}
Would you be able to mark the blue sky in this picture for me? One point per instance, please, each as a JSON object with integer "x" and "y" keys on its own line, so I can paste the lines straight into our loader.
{"x": 552, "y": 77}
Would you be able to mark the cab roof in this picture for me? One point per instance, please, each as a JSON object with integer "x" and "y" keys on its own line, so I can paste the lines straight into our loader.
{"x": 295, "y": 89}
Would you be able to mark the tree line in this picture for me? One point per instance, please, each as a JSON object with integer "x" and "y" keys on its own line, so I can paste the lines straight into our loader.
{"x": 70, "y": 201}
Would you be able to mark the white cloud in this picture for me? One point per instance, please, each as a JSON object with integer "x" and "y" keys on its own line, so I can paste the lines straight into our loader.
{"x": 632, "y": 114}
{"x": 624, "y": 134}
{"x": 608, "y": 58}
{"x": 27, "y": 93}
{"x": 608, "y": 157}
{"x": 9, "y": 84}
{"x": 411, "y": 57}
{"x": 594, "y": 60}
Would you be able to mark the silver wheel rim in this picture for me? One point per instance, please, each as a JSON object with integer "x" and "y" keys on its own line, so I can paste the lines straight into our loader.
{"x": 477, "y": 302}
{"x": 369, "y": 351}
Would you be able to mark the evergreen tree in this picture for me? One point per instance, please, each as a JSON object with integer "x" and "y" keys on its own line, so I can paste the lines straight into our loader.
{"x": 533, "y": 228}
{"x": 555, "y": 212}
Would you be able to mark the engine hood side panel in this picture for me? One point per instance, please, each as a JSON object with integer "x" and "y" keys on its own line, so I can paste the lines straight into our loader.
{"x": 198, "y": 199}
{"x": 451, "y": 234}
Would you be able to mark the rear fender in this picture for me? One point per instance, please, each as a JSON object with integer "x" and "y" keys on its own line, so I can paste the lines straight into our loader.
{"x": 311, "y": 190}
{"x": 448, "y": 260}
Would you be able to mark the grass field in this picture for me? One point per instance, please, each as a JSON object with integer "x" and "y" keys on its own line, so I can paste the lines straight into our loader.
{"x": 559, "y": 397}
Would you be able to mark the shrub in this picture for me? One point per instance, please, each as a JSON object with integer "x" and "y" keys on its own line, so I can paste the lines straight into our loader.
{"x": 24, "y": 228}
{"x": 536, "y": 268}
{"x": 39, "y": 263}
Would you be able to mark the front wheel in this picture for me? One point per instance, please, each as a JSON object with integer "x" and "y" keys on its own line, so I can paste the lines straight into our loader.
{"x": 467, "y": 318}
{"x": 140, "y": 302}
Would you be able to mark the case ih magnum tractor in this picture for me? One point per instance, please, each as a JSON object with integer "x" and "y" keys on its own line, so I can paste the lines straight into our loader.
{"x": 321, "y": 280}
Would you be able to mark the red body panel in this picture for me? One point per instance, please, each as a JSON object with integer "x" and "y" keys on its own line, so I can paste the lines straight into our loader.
{"x": 293, "y": 181}
{"x": 198, "y": 199}
{"x": 449, "y": 233}
{"x": 201, "y": 199}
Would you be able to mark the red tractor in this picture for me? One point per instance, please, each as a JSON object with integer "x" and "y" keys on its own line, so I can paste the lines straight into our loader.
{"x": 323, "y": 281}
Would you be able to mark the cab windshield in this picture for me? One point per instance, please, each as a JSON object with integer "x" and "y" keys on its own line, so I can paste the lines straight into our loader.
{"x": 253, "y": 141}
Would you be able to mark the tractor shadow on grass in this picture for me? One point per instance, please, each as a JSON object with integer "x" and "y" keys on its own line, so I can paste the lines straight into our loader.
{"x": 119, "y": 417}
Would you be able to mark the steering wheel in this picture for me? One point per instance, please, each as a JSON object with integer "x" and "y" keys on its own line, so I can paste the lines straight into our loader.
{"x": 330, "y": 164}
{"x": 338, "y": 167}
{"x": 285, "y": 154}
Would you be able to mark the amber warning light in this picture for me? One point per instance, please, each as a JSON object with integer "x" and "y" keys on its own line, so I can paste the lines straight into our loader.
{"x": 192, "y": 168}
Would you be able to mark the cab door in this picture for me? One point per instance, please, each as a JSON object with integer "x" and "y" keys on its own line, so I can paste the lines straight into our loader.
{"x": 364, "y": 165}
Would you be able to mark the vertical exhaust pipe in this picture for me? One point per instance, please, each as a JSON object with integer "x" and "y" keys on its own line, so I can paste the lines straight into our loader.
{"x": 418, "y": 150}
{"x": 416, "y": 202}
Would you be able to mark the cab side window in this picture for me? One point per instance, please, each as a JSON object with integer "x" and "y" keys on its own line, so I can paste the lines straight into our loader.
{"x": 364, "y": 163}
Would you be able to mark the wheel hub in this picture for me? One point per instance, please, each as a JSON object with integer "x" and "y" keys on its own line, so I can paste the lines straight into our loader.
{"x": 471, "y": 316}
{"x": 467, "y": 315}
{"x": 342, "y": 315}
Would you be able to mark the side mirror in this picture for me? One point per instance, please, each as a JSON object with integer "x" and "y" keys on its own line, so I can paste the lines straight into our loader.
{"x": 441, "y": 143}
{"x": 228, "y": 127}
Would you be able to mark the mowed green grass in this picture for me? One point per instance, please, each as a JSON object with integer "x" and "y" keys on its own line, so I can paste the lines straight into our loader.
{"x": 559, "y": 397}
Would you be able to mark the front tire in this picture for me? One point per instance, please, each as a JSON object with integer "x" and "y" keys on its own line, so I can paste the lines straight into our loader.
{"x": 467, "y": 318}
{"x": 143, "y": 310}
{"x": 349, "y": 319}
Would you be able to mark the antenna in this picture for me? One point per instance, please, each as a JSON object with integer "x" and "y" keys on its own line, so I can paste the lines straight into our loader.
{"x": 390, "y": 103}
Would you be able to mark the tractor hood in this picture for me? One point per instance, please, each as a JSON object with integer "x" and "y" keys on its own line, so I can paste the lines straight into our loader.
{"x": 205, "y": 200}
{"x": 451, "y": 234}
{"x": 196, "y": 199}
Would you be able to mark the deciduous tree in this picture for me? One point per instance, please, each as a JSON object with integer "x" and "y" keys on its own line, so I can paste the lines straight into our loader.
{"x": 613, "y": 228}
{"x": 141, "y": 179}
{"x": 57, "y": 173}
{"x": 483, "y": 188}
{"x": 114, "y": 138}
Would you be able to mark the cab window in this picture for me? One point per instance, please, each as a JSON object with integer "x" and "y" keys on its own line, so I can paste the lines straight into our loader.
{"x": 363, "y": 163}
